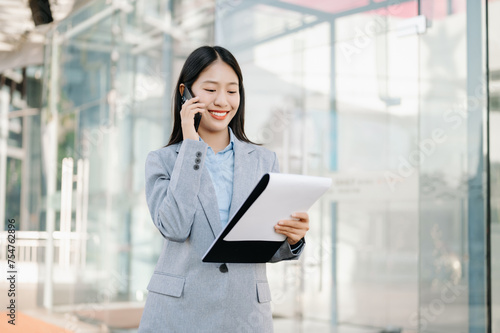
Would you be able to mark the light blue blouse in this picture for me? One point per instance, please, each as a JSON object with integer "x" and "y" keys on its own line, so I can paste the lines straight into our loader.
{"x": 221, "y": 169}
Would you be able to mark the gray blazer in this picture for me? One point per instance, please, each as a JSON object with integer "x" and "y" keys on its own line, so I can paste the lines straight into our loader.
{"x": 186, "y": 294}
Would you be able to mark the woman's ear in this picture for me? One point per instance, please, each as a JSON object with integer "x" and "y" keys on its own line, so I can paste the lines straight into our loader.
{"x": 181, "y": 88}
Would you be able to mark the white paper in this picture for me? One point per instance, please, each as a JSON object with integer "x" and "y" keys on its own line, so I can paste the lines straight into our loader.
{"x": 284, "y": 195}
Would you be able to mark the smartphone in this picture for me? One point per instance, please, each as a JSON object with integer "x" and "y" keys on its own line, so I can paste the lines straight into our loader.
{"x": 186, "y": 96}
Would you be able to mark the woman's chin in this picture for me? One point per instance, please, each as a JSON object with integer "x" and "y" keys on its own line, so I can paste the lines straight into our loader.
{"x": 213, "y": 128}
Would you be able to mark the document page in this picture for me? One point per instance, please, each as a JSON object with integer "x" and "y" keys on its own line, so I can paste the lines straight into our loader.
{"x": 283, "y": 195}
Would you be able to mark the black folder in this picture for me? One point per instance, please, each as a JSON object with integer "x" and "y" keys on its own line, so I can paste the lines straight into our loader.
{"x": 254, "y": 251}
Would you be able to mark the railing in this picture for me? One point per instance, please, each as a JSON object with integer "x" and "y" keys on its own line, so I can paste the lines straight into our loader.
{"x": 30, "y": 247}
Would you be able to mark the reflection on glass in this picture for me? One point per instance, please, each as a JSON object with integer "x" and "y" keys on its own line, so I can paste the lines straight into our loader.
{"x": 443, "y": 219}
{"x": 99, "y": 124}
{"x": 13, "y": 190}
{"x": 396, "y": 146}
{"x": 113, "y": 89}
{"x": 494, "y": 155}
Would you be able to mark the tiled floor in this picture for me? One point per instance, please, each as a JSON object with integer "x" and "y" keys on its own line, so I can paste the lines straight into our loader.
{"x": 293, "y": 326}
{"x": 67, "y": 324}
{"x": 308, "y": 326}
{"x": 27, "y": 323}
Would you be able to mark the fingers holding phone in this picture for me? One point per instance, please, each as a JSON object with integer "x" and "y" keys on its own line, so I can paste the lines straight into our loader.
{"x": 190, "y": 109}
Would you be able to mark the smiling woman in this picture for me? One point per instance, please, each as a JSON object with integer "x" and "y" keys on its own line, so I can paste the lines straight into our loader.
{"x": 216, "y": 89}
{"x": 194, "y": 185}
{"x": 214, "y": 76}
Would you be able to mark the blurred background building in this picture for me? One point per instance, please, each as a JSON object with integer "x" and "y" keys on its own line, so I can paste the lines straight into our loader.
{"x": 397, "y": 101}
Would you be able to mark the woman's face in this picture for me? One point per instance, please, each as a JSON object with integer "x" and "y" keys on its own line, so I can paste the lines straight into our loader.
{"x": 217, "y": 87}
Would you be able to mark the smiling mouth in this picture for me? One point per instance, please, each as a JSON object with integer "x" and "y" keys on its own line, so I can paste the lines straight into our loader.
{"x": 219, "y": 113}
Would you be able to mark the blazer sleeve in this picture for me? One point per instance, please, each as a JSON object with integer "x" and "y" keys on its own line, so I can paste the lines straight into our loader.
{"x": 285, "y": 251}
{"x": 171, "y": 192}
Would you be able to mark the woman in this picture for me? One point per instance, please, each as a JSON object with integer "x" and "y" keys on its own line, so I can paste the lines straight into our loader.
{"x": 194, "y": 186}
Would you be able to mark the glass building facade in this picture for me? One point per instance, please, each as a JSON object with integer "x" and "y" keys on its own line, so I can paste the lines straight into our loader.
{"x": 397, "y": 101}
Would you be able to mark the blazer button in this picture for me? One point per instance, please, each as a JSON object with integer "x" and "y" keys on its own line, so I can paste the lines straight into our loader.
{"x": 196, "y": 166}
{"x": 223, "y": 268}
{"x": 198, "y": 154}
{"x": 198, "y": 161}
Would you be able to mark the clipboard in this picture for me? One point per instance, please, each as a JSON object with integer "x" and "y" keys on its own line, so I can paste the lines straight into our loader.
{"x": 250, "y": 236}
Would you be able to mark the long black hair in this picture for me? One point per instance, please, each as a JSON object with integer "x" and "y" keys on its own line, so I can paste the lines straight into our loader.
{"x": 197, "y": 61}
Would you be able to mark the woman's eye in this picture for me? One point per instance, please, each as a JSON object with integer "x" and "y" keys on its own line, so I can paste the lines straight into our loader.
{"x": 232, "y": 92}
{"x": 210, "y": 90}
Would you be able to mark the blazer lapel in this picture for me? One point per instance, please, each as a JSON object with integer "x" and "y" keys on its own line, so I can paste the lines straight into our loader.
{"x": 245, "y": 165}
{"x": 208, "y": 200}
{"x": 243, "y": 183}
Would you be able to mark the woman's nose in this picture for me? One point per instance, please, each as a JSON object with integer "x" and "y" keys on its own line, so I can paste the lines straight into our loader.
{"x": 221, "y": 100}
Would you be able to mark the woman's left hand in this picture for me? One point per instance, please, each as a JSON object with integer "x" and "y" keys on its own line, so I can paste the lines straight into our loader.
{"x": 294, "y": 229}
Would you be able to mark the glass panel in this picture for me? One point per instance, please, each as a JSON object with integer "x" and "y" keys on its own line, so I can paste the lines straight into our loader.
{"x": 377, "y": 107}
{"x": 443, "y": 232}
{"x": 15, "y": 132}
{"x": 286, "y": 69}
{"x": 85, "y": 132}
{"x": 494, "y": 123}
{"x": 452, "y": 191}
{"x": 113, "y": 80}
{"x": 115, "y": 112}
{"x": 388, "y": 90}
{"x": 13, "y": 191}
{"x": 310, "y": 77}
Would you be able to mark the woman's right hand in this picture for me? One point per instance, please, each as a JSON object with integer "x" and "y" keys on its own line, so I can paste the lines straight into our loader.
{"x": 189, "y": 109}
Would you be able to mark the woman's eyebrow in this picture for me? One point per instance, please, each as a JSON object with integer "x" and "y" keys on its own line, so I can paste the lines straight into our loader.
{"x": 217, "y": 82}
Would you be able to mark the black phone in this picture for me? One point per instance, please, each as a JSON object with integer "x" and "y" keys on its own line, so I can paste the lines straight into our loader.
{"x": 186, "y": 96}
